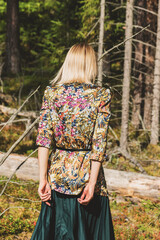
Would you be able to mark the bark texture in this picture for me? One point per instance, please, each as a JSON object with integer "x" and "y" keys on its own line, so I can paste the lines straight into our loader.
{"x": 12, "y": 46}
{"x": 144, "y": 63}
{"x": 100, "y": 44}
{"x": 149, "y": 62}
{"x": 156, "y": 87}
{"x": 127, "y": 75}
{"x": 138, "y": 68}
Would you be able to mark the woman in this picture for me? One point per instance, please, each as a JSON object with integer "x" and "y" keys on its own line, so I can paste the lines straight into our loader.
{"x": 74, "y": 115}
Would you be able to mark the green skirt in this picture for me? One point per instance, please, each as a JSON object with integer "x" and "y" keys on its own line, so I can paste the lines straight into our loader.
{"x": 67, "y": 219}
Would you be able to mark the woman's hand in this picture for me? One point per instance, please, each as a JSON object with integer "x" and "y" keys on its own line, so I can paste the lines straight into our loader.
{"x": 87, "y": 194}
{"x": 88, "y": 191}
{"x": 44, "y": 191}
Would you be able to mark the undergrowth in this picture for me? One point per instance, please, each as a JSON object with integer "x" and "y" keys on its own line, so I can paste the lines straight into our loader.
{"x": 132, "y": 220}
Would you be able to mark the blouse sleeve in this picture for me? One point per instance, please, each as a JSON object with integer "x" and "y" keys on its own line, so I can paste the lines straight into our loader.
{"x": 99, "y": 139}
{"x": 45, "y": 131}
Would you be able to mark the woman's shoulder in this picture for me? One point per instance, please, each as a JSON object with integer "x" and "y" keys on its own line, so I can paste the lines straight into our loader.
{"x": 49, "y": 89}
{"x": 103, "y": 93}
{"x": 49, "y": 93}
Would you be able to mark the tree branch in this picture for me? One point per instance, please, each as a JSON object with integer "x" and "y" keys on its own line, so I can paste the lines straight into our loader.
{"x": 18, "y": 207}
{"x": 19, "y": 109}
{"x": 148, "y": 30}
{"x": 23, "y": 199}
{"x": 129, "y": 157}
{"x": 146, "y": 10}
{"x": 146, "y": 44}
{"x": 16, "y": 171}
{"x": 19, "y": 120}
{"x": 18, "y": 141}
{"x": 94, "y": 26}
{"x": 119, "y": 44}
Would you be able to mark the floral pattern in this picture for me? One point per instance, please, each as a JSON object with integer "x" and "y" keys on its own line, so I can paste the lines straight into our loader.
{"x": 74, "y": 116}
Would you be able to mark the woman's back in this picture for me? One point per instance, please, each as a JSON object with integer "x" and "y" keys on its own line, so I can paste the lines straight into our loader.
{"x": 75, "y": 116}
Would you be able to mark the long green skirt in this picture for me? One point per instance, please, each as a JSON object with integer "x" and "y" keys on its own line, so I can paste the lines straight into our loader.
{"x": 67, "y": 219}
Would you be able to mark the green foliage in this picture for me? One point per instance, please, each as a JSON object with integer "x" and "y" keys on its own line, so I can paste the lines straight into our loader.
{"x": 3, "y": 5}
{"x": 89, "y": 14}
{"x": 47, "y": 29}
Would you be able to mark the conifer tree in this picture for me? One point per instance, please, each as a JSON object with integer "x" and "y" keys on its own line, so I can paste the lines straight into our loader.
{"x": 12, "y": 46}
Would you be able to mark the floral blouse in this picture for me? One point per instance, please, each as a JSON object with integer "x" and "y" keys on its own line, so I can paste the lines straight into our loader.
{"x": 73, "y": 122}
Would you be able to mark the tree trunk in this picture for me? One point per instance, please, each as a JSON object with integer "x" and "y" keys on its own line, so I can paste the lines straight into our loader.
{"x": 156, "y": 87}
{"x": 127, "y": 75}
{"x": 12, "y": 46}
{"x": 148, "y": 89}
{"x": 149, "y": 62}
{"x": 100, "y": 45}
{"x": 144, "y": 64}
{"x": 139, "y": 58}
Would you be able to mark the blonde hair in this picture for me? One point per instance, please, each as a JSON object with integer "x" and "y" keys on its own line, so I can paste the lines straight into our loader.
{"x": 80, "y": 65}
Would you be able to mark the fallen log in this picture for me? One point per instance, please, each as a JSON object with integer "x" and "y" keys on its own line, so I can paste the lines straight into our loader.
{"x": 28, "y": 171}
{"x": 9, "y": 111}
{"x": 124, "y": 183}
{"x": 133, "y": 184}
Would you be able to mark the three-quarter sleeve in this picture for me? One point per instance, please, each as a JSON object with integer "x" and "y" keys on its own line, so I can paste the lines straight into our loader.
{"x": 45, "y": 132}
{"x": 99, "y": 138}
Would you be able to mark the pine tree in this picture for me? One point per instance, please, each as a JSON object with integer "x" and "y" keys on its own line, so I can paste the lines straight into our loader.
{"x": 13, "y": 46}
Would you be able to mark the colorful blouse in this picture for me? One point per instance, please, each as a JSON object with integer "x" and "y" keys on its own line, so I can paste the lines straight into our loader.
{"x": 74, "y": 116}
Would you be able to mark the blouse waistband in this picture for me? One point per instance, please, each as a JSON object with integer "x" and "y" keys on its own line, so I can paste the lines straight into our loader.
{"x": 73, "y": 149}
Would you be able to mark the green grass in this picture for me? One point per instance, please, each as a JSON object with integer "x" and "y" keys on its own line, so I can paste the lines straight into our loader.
{"x": 133, "y": 220}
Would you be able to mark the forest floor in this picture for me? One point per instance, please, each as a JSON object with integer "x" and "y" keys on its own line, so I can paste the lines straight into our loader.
{"x": 133, "y": 218}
